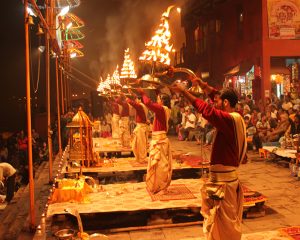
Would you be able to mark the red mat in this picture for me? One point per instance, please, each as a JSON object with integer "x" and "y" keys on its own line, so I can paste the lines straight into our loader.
{"x": 252, "y": 196}
{"x": 193, "y": 161}
{"x": 292, "y": 232}
{"x": 174, "y": 192}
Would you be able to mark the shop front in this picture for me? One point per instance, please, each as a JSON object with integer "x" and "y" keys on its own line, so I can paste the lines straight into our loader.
{"x": 285, "y": 78}
{"x": 245, "y": 79}
{"x": 280, "y": 84}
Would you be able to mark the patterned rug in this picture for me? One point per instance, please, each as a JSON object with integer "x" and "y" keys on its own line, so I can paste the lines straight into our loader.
{"x": 292, "y": 232}
{"x": 174, "y": 192}
{"x": 252, "y": 197}
{"x": 192, "y": 160}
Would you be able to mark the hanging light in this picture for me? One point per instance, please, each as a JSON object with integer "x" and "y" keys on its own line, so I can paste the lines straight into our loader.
{"x": 73, "y": 55}
{"x": 69, "y": 25}
{"x": 31, "y": 12}
{"x": 64, "y": 11}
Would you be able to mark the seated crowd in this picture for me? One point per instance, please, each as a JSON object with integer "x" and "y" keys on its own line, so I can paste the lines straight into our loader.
{"x": 266, "y": 121}
{"x": 14, "y": 156}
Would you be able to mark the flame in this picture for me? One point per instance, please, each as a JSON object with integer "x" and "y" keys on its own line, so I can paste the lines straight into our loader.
{"x": 115, "y": 79}
{"x": 158, "y": 48}
{"x": 107, "y": 82}
{"x": 128, "y": 70}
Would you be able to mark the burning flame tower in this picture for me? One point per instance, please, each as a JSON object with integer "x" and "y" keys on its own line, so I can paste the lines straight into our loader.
{"x": 128, "y": 71}
{"x": 158, "y": 48}
{"x": 115, "y": 79}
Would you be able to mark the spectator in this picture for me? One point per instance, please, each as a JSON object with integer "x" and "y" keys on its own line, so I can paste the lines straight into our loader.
{"x": 105, "y": 129}
{"x": 43, "y": 152}
{"x": 200, "y": 129}
{"x": 294, "y": 127}
{"x": 273, "y": 135}
{"x": 190, "y": 123}
{"x": 174, "y": 117}
{"x": 8, "y": 173}
{"x": 250, "y": 129}
{"x": 286, "y": 105}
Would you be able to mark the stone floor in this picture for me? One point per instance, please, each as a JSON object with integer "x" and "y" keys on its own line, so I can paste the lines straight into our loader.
{"x": 275, "y": 182}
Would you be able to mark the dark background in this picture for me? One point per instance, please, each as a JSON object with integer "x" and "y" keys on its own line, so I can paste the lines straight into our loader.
{"x": 110, "y": 27}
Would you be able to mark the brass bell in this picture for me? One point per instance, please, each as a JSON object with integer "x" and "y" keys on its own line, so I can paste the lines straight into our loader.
{"x": 30, "y": 20}
{"x": 196, "y": 90}
{"x": 40, "y": 30}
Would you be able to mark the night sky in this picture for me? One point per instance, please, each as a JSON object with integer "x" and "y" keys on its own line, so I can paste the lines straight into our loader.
{"x": 111, "y": 26}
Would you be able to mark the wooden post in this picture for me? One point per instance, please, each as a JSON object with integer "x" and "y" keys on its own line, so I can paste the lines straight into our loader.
{"x": 58, "y": 109}
{"x": 28, "y": 103}
{"x": 266, "y": 61}
{"x": 47, "y": 66}
{"x": 62, "y": 91}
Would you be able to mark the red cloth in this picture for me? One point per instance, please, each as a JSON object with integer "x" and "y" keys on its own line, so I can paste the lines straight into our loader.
{"x": 159, "y": 123}
{"x": 125, "y": 107}
{"x": 115, "y": 108}
{"x": 23, "y": 144}
{"x": 105, "y": 134}
{"x": 140, "y": 113}
{"x": 224, "y": 150}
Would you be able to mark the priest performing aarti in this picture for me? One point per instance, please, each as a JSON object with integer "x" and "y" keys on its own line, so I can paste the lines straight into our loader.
{"x": 140, "y": 133}
{"x": 115, "y": 119}
{"x": 124, "y": 122}
{"x": 159, "y": 170}
{"x": 222, "y": 196}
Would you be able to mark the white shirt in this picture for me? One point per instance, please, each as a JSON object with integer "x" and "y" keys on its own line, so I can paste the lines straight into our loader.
{"x": 287, "y": 105}
{"x": 6, "y": 170}
{"x": 190, "y": 118}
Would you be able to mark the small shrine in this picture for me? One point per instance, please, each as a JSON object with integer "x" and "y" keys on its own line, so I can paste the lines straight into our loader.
{"x": 81, "y": 143}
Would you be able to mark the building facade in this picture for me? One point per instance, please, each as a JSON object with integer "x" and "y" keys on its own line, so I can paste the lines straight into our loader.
{"x": 253, "y": 46}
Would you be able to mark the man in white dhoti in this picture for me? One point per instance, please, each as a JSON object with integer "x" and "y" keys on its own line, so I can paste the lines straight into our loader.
{"x": 140, "y": 133}
{"x": 124, "y": 122}
{"x": 159, "y": 170}
{"x": 115, "y": 119}
{"x": 222, "y": 196}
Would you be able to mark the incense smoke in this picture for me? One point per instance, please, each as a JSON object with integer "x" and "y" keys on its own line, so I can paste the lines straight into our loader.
{"x": 131, "y": 24}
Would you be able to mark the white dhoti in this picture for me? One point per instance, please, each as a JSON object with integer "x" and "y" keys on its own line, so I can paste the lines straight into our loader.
{"x": 159, "y": 171}
{"x": 115, "y": 126}
{"x": 222, "y": 204}
{"x": 124, "y": 131}
{"x": 140, "y": 142}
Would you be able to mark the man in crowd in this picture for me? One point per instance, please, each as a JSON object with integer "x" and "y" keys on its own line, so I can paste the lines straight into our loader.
{"x": 190, "y": 123}
{"x": 8, "y": 173}
{"x": 272, "y": 135}
{"x": 159, "y": 170}
{"x": 222, "y": 196}
{"x": 140, "y": 133}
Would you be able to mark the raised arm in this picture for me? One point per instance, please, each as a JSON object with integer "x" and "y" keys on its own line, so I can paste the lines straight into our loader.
{"x": 219, "y": 119}
{"x": 155, "y": 107}
{"x": 133, "y": 103}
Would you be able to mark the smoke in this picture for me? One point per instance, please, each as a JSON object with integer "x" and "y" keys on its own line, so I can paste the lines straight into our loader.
{"x": 131, "y": 24}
